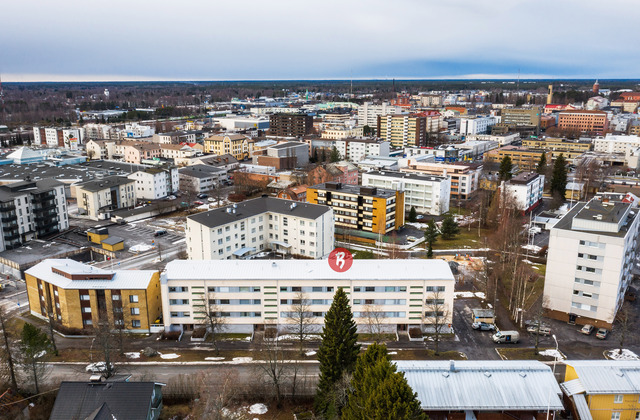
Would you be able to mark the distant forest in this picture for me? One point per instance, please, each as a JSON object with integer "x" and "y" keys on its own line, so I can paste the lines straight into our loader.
{"x": 56, "y": 103}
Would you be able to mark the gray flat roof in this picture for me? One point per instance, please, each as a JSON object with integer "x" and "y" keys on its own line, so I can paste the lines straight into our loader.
{"x": 355, "y": 189}
{"x": 108, "y": 182}
{"x": 408, "y": 175}
{"x": 579, "y": 211}
{"x": 200, "y": 171}
{"x": 256, "y": 206}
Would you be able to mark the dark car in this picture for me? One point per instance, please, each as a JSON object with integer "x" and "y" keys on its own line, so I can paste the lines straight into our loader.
{"x": 160, "y": 232}
{"x": 483, "y": 326}
{"x": 202, "y": 196}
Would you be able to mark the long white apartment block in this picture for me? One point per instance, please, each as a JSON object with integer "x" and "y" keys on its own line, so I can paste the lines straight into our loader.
{"x": 355, "y": 150}
{"x": 427, "y": 193}
{"x": 241, "y": 230}
{"x": 250, "y": 295}
{"x": 616, "y": 144}
{"x": 592, "y": 250}
{"x": 368, "y": 112}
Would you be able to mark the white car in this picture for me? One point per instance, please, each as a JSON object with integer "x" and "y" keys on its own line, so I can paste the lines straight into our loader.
{"x": 98, "y": 367}
{"x": 411, "y": 238}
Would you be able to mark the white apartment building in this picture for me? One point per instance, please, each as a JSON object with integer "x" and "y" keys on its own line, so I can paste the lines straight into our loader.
{"x": 99, "y": 197}
{"x": 355, "y": 150}
{"x": 136, "y": 130}
{"x": 257, "y": 293}
{"x": 31, "y": 209}
{"x": 58, "y": 137}
{"x": 242, "y": 229}
{"x": 175, "y": 137}
{"x": 368, "y": 112}
{"x": 613, "y": 143}
{"x": 340, "y": 132}
{"x": 592, "y": 251}
{"x": 477, "y": 125}
{"x": 464, "y": 176}
{"x": 526, "y": 188}
{"x": 94, "y": 131}
{"x": 155, "y": 183}
{"x": 200, "y": 178}
{"x": 177, "y": 151}
{"x": 502, "y": 139}
{"x": 427, "y": 193}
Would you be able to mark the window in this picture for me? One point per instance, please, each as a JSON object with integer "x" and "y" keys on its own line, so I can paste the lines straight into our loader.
{"x": 615, "y": 415}
{"x": 617, "y": 399}
{"x": 86, "y": 310}
{"x": 135, "y": 323}
{"x": 135, "y": 311}
{"x": 133, "y": 299}
{"x": 84, "y": 297}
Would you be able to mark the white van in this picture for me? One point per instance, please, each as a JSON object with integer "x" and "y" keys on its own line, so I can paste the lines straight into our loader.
{"x": 506, "y": 337}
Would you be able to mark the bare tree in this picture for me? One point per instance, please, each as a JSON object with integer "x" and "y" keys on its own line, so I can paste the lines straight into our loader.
{"x": 106, "y": 343}
{"x": 50, "y": 318}
{"x": 537, "y": 310}
{"x": 623, "y": 323}
{"x": 212, "y": 318}
{"x": 374, "y": 318}
{"x": 218, "y": 391}
{"x": 7, "y": 354}
{"x": 300, "y": 319}
{"x": 273, "y": 367}
{"x": 436, "y": 315}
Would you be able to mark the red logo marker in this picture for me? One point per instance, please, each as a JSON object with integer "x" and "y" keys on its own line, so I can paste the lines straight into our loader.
{"x": 340, "y": 260}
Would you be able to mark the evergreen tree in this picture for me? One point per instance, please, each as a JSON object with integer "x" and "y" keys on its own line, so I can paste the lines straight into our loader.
{"x": 378, "y": 391}
{"x": 337, "y": 354}
{"x": 449, "y": 227}
{"x": 542, "y": 164}
{"x": 34, "y": 347}
{"x": 431, "y": 236}
{"x": 413, "y": 215}
{"x": 505, "y": 169}
{"x": 335, "y": 155}
{"x": 559, "y": 178}
{"x": 314, "y": 159}
{"x": 323, "y": 156}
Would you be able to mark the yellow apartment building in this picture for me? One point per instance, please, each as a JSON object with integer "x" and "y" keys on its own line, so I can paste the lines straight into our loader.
{"x": 602, "y": 389}
{"x": 369, "y": 209}
{"x": 236, "y": 145}
{"x": 570, "y": 149}
{"x": 80, "y": 296}
{"x": 524, "y": 158}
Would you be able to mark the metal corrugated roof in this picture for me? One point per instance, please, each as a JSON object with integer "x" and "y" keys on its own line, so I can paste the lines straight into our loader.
{"x": 307, "y": 270}
{"x": 122, "y": 279}
{"x": 582, "y": 407}
{"x": 572, "y": 387}
{"x": 482, "y": 385}
{"x": 608, "y": 376}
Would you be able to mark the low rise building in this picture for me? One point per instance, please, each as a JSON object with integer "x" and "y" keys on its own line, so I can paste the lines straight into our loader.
{"x": 502, "y": 139}
{"x": 602, "y": 389}
{"x": 334, "y": 132}
{"x": 30, "y": 210}
{"x": 287, "y": 155}
{"x": 356, "y": 149}
{"x": 98, "y": 198}
{"x": 426, "y": 193}
{"x": 58, "y": 137}
{"x": 524, "y": 158}
{"x": 175, "y": 137}
{"x": 526, "y": 188}
{"x": 156, "y": 182}
{"x": 557, "y": 146}
{"x": 237, "y": 145}
{"x": 240, "y": 230}
{"x": 591, "y": 254}
{"x": 519, "y": 117}
{"x": 252, "y": 295}
{"x": 464, "y": 176}
{"x": 477, "y": 125}
{"x": 616, "y": 144}
{"x": 177, "y": 152}
{"x": 484, "y": 389}
{"x": 368, "y": 209}
{"x": 200, "y": 178}
{"x": 80, "y": 296}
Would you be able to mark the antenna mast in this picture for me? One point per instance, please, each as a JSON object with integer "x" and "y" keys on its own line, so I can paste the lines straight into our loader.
{"x": 4, "y": 118}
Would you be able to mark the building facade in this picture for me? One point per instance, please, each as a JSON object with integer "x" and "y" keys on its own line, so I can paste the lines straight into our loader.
{"x": 583, "y": 121}
{"x": 58, "y": 137}
{"x": 354, "y": 150}
{"x": 477, "y": 125}
{"x": 240, "y": 230}
{"x": 402, "y": 130}
{"x": 98, "y": 198}
{"x": 464, "y": 176}
{"x": 592, "y": 250}
{"x": 155, "y": 183}
{"x": 368, "y": 209}
{"x": 80, "y": 296}
{"x": 31, "y": 209}
{"x": 200, "y": 178}
{"x": 426, "y": 193}
{"x": 369, "y": 112}
{"x": 237, "y": 145}
{"x": 526, "y": 188}
{"x": 256, "y": 294}
{"x": 569, "y": 149}
{"x": 524, "y": 158}
{"x": 521, "y": 117}
{"x": 290, "y": 125}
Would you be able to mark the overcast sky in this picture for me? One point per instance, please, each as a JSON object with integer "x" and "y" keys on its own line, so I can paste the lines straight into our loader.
{"x": 304, "y": 39}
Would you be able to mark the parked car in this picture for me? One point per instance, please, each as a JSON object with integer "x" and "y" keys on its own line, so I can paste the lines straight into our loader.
{"x": 420, "y": 217}
{"x": 483, "y": 326}
{"x": 506, "y": 337}
{"x": 98, "y": 367}
{"x": 411, "y": 238}
{"x": 211, "y": 200}
{"x": 543, "y": 330}
{"x": 198, "y": 203}
{"x": 171, "y": 197}
{"x": 160, "y": 232}
{"x": 202, "y": 195}
{"x": 587, "y": 329}
{"x": 602, "y": 333}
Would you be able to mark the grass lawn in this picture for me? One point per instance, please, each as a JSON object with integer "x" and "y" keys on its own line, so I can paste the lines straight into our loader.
{"x": 367, "y": 338}
{"x": 523, "y": 354}
{"x": 465, "y": 239}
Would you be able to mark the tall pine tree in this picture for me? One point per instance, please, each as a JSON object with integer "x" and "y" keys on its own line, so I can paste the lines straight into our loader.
{"x": 378, "y": 391}
{"x": 505, "y": 169}
{"x": 431, "y": 236}
{"x": 337, "y": 354}
{"x": 559, "y": 178}
{"x": 542, "y": 164}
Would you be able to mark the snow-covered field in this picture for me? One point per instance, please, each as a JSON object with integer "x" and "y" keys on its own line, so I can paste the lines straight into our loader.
{"x": 140, "y": 248}
{"x": 625, "y": 355}
{"x": 553, "y": 353}
{"x": 133, "y": 355}
{"x": 169, "y": 355}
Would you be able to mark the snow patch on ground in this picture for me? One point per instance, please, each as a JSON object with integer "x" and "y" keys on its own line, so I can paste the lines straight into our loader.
{"x": 214, "y": 359}
{"x": 463, "y": 295}
{"x": 625, "y": 355}
{"x": 418, "y": 225}
{"x": 169, "y": 355}
{"x": 258, "y": 409}
{"x": 533, "y": 248}
{"x": 481, "y": 295}
{"x": 242, "y": 359}
{"x": 393, "y": 352}
{"x": 40, "y": 354}
{"x": 556, "y": 354}
{"x": 310, "y": 353}
{"x": 133, "y": 355}
{"x": 140, "y": 248}
{"x": 293, "y": 337}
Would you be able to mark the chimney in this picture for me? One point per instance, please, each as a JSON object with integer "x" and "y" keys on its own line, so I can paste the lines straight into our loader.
{"x": 452, "y": 366}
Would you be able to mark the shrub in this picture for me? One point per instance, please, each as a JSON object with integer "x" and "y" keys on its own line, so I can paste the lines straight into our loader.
{"x": 415, "y": 332}
{"x": 199, "y": 333}
{"x": 171, "y": 335}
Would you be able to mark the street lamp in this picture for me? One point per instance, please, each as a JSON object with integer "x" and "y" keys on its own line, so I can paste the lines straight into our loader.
{"x": 555, "y": 360}
{"x": 91, "y": 350}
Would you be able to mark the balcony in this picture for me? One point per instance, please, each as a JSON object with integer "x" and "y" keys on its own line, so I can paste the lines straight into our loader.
{"x": 49, "y": 195}
{"x": 9, "y": 219}
{"x": 6, "y": 207}
{"x": 8, "y": 237}
{"x": 47, "y": 205}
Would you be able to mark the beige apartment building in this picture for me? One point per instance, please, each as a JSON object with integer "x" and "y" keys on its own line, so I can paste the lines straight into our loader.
{"x": 403, "y": 130}
{"x": 251, "y": 295}
{"x": 464, "y": 176}
{"x": 237, "y": 145}
{"x": 558, "y": 146}
{"x": 98, "y": 198}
